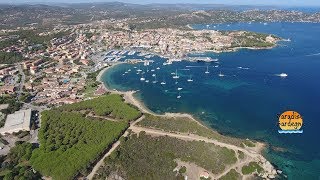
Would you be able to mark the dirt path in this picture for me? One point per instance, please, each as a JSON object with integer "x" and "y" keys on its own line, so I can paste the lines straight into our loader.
{"x": 114, "y": 147}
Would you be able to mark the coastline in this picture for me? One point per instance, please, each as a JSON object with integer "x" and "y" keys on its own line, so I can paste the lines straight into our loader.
{"x": 256, "y": 152}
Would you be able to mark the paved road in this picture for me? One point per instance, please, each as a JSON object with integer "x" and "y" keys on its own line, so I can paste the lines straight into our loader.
{"x": 21, "y": 84}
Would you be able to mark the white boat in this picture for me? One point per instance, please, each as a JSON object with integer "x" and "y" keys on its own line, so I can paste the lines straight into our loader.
{"x": 147, "y": 81}
{"x": 173, "y": 73}
{"x": 139, "y": 70}
{"x": 153, "y": 75}
{"x": 179, "y": 88}
{"x": 190, "y": 79}
{"x": 126, "y": 72}
{"x": 163, "y": 82}
{"x": 142, "y": 79}
{"x": 265, "y": 23}
{"x": 158, "y": 68}
{"x": 129, "y": 70}
{"x": 179, "y": 96}
{"x": 207, "y": 72}
{"x": 220, "y": 74}
{"x": 282, "y": 75}
{"x": 176, "y": 75}
{"x": 152, "y": 70}
{"x": 155, "y": 80}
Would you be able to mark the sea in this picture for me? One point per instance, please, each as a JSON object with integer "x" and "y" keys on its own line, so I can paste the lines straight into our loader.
{"x": 246, "y": 98}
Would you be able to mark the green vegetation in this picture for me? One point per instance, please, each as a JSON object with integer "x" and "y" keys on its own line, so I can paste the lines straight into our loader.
{"x": 70, "y": 142}
{"x": 252, "y": 167}
{"x": 16, "y": 164}
{"x": 249, "y": 143}
{"x": 109, "y": 105}
{"x": 10, "y": 57}
{"x": 231, "y": 175}
{"x": 147, "y": 157}
{"x": 185, "y": 125}
{"x": 91, "y": 83}
{"x": 182, "y": 170}
{"x": 14, "y": 105}
{"x": 252, "y": 39}
{"x": 240, "y": 154}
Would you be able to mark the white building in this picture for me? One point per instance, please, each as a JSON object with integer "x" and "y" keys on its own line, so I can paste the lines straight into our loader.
{"x": 20, "y": 120}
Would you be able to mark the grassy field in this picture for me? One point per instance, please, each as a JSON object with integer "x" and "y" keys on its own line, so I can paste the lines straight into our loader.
{"x": 185, "y": 125}
{"x": 231, "y": 175}
{"x": 252, "y": 167}
{"x": 70, "y": 142}
{"x": 147, "y": 157}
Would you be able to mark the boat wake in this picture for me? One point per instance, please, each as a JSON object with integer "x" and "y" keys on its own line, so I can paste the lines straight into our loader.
{"x": 316, "y": 54}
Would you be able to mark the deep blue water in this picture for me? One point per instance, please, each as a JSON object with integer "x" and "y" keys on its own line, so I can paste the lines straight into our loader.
{"x": 245, "y": 102}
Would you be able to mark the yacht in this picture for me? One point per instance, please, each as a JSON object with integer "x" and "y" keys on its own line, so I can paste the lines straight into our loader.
{"x": 176, "y": 75}
{"x": 142, "y": 79}
{"x": 129, "y": 70}
{"x": 282, "y": 75}
{"x": 147, "y": 81}
{"x": 190, "y": 79}
{"x": 207, "y": 72}
{"x": 179, "y": 88}
{"x": 153, "y": 75}
{"x": 158, "y": 68}
{"x": 220, "y": 74}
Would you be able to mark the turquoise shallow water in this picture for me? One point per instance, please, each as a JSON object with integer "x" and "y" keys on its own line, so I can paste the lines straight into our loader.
{"x": 246, "y": 101}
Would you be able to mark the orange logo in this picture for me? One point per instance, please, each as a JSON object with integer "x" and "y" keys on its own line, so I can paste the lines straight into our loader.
{"x": 290, "y": 122}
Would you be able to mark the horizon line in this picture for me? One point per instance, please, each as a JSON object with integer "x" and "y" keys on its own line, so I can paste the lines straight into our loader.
{"x": 158, "y": 3}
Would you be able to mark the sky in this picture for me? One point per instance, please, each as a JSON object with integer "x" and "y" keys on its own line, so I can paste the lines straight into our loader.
{"x": 229, "y": 2}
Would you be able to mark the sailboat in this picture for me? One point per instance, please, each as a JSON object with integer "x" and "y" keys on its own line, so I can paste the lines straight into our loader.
{"x": 142, "y": 78}
{"x": 220, "y": 74}
{"x": 139, "y": 70}
{"x": 207, "y": 72}
{"x": 190, "y": 79}
{"x": 176, "y": 75}
{"x": 155, "y": 80}
{"x": 179, "y": 96}
{"x": 179, "y": 88}
{"x": 163, "y": 82}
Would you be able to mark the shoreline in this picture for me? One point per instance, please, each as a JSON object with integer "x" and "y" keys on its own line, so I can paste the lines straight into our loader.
{"x": 128, "y": 96}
